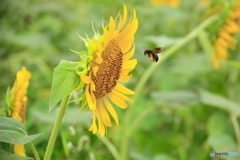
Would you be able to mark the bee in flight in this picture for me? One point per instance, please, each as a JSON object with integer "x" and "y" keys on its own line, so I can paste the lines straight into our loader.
{"x": 152, "y": 54}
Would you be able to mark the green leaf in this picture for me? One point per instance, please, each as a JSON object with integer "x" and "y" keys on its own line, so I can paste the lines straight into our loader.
{"x": 12, "y": 124}
{"x": 14, "y": 137}
{"x": 220, "y": 102}
{"x": 11, "y": 128}
{"x": 223, "y": 143}
{"x": 13, "y": 131}
{"x": 64, "y": 82}
{"x": 10, "y": 156}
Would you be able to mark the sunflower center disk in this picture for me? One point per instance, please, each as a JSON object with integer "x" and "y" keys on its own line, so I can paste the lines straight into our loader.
{"x": 109, "y": 70}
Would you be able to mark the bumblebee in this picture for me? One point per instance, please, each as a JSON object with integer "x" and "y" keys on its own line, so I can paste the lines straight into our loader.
{"x": 152, "y": 54}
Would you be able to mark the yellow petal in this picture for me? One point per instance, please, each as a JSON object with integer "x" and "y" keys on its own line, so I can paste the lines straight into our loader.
{"x": 106, "y": 36}
{"x": 98, "y": 59}
{"x": 101, "y": 127}
{"x": 111, "y": 26}
{"x": 126, "y": 46}
{"x": 124, "y": 78}
{"x": 221, "y": 43}
{"x": 119, "y": 102}
{"x": 95, "y": 69}
{"x": 111, "y": 110}
{"x": 128, "y": 32}
{"x": 125, "y": 71}
{"x": 123, "y": 19}
{"x": 97, "y": 44}
{"x": 91, "y": 104}
{"x": 120, "y": 95}
{"x": 123, "y": 89}
{"x": 19, "y": 150}
{"x": 92, "y": 84}
{"x": 232, "y": 27}
{"x": 84, "y": 78}
{"x": 93, "y": 127}
{"x": 225, "y": 35}
{"x": 221, "y": 52}
{"x": 104, "y": 114}
{"x": 215, "y": 63}
{"x": 129, "y": 55}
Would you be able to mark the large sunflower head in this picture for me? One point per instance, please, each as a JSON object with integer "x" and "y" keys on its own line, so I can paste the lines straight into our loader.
{"x": 104, "y": 66}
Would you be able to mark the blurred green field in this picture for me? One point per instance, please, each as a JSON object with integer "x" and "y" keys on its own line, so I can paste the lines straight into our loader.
{"x": 186, "y": 109}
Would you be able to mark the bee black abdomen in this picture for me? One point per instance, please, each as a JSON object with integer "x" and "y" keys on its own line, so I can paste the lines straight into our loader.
{"x": 155, "y": 57}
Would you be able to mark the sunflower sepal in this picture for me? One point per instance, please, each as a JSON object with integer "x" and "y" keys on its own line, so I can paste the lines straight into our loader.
{"x": 8, "y": 103}
{"x": 82, "y": 54}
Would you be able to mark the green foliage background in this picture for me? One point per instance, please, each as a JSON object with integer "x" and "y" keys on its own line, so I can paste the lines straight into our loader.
{"x": 185, "y": 110}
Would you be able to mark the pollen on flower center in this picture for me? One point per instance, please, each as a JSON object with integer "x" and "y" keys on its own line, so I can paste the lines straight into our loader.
{"x": 105, "y": 79}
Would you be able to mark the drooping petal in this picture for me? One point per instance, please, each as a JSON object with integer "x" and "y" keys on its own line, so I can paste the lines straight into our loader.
{"x": 123, "y": 89}
{"x": 93, "y": 127}
{"x": 111, "y": 110}
{"x": 119, "y": 102}
{"x": 120, "y": 95}
{"x": 91, "y": 104}
{"x": 104, "y": 114}
{"x": 101, "y": 127}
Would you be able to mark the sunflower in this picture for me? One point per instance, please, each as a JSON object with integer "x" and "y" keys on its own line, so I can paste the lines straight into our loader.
{"x": 108, "y": 64}
{"x": 172, "y": 3}
{"x": 225, "y": 39}
{"x": 18, "y": 101}
{"x": 206, "y": 2}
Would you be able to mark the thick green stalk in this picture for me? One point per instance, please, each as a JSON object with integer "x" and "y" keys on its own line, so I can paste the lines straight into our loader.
{"x": 56, "y": 127}
{"x": 193, "y": 34}
{"x": 34, "y": 151}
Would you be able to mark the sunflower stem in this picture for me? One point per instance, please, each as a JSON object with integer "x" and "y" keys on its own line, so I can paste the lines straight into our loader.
{"x": 35, "y": 153}
{"x": 110, "y": 146}
{"x": 56, "y": 127}
{"x": 188, "y": 38}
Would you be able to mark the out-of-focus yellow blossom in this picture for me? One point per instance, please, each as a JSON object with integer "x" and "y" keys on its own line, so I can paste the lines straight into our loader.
{"x": 225, "y": 39}
{"x": 18, "y": 102}
{"x": 206, "y": 2}
{"x": 172, "y": 3}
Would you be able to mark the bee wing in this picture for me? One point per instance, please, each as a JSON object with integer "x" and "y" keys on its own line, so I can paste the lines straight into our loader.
{"x": 158, "y": 50}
